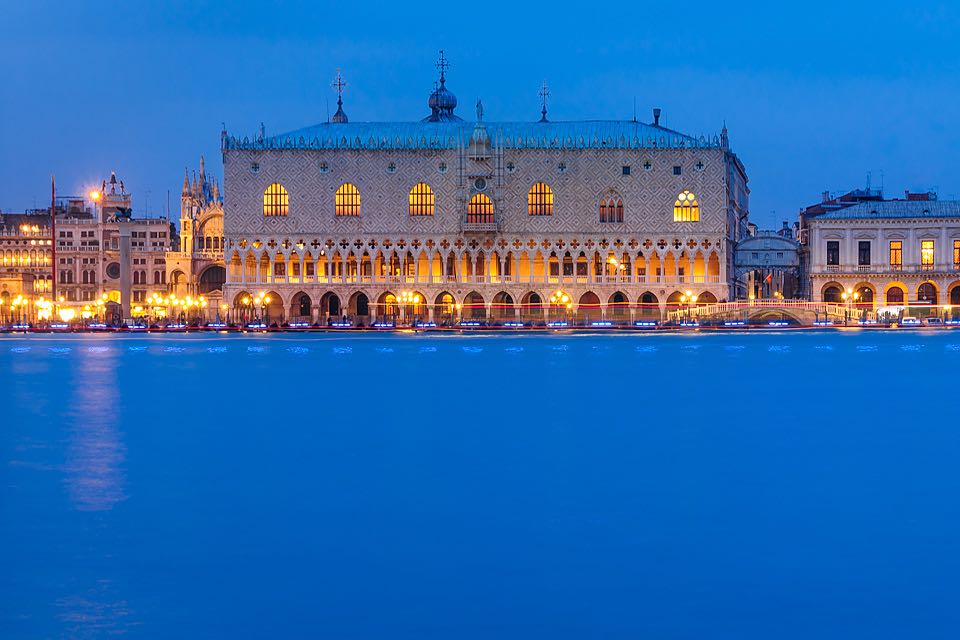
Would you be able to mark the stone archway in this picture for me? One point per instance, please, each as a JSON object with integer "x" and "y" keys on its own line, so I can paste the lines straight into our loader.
{"x": 330, "y": 305}
{"x": 618, "y": 307}
{"x": 301, "y": 308}
{"x": 531, "y": 307}
{"x": 648, "y": 306}
{"x": 832, "y": 292}
{"x": 588, "y": 307}
{"x": 474, "y": 307}
{"x": 502, "y": 309}
{"x": 211, "y": 279}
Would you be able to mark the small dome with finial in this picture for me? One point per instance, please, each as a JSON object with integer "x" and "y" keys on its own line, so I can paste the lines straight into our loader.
{"x": 442, "y": 102}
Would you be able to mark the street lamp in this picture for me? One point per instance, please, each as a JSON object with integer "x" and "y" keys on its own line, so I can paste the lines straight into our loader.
{"x": 408, "y": 298}
{"x": 559, "y": 299}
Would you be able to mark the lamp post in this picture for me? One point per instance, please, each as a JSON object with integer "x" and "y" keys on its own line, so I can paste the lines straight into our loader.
{"x": 561, "y": 300}
{"x": 408, "y": 298}
{"x": 687, "y": 298}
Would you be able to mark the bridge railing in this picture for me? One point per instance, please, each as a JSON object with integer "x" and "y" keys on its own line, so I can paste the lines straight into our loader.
{"x": 826, "y": 310}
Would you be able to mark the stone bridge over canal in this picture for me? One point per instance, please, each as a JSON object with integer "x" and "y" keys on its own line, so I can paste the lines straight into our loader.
{"x": 774, "y": 309}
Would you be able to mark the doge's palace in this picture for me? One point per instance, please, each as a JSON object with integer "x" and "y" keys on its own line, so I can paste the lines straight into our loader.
{"x": 443, "y": 220}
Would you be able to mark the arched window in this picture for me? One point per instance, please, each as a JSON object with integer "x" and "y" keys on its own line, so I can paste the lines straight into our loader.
{"x": 346, "y": 202}
{"x": 686, "y": 208}
{"x": 276, "y": 200}
{"x": 927, "y": 293}
{"x": 480, "y": 208}
{"x": 421, "y": 200}
{"x": 540, "y": 200}
{"x": 611, "y": 209}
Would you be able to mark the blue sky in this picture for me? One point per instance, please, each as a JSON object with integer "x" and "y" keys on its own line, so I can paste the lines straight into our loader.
{"x": 816, "y": 94}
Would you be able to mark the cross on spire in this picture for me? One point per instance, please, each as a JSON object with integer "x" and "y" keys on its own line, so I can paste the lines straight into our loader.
{"x": 443, "y": 65}
{"x": 339, "y": 86}
{"x": 544, "y": 97}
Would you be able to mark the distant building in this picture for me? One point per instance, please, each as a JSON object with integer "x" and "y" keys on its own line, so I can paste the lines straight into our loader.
{"x": 195, "y": 268}
{"x": 25, "y": 267}
{"x": 485, "y": 220}
{"x": 770, "y": 264}
{"x": 100, "y": 250}
{"x": 886, "y": 252}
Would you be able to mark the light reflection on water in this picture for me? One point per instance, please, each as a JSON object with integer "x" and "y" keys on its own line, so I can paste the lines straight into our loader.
{"x": 95, "y": 454}
{"x": 555, "y": 486}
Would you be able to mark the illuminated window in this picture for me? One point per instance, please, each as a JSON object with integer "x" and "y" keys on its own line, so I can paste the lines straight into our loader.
{"x": 896, "y": 254}
{"x": 611, "y": 210}
{"x": 480, "y": 208}
{"x": 421, "y": 200}
{"x": 540, "y": 200}
{"x": 276, "y": 200}
{"x": 926, "y": 254}
{"x": 686, "y": 208}
{"x": 956, "y": 254}
{"x": 347, "y": 200}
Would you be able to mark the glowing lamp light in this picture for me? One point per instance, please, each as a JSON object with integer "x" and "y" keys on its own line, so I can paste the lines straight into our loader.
{"x": 67, "y": 314}
{"x": 95, "y": 195}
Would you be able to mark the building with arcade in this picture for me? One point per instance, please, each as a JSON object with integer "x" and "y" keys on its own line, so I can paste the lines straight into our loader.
{"x": 445, "y": 220}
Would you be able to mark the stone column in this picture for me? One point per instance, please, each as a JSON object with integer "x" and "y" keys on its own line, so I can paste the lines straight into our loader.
{"x": 125, "y": 267}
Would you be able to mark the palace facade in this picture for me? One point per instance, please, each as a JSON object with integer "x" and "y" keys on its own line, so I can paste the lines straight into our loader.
{"x": 886, "y": 253}
{"x": 445, "y": 220}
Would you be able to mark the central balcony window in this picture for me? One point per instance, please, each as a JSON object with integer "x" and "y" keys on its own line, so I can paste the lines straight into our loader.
{"x": 480, "y": 215}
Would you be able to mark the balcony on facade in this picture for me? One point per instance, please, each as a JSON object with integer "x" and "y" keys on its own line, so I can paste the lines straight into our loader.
{"x": 262, "y": 278}
{"x": 886, "y": 268}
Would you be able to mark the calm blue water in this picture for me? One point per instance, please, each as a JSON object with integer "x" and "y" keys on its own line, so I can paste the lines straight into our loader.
{"x": 700, "y": 486}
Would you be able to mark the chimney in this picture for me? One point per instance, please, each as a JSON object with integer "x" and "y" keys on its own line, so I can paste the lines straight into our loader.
{"x": 656, "y": 117}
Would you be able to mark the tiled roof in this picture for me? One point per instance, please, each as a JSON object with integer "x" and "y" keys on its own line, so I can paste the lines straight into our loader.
{"x": 896, "y": 209}
{"x": 593, "y": 134}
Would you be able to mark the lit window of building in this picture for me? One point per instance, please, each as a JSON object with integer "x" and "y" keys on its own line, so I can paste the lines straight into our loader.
{"x": 896, "y": 254}
{"x": 480, "y": 209}
{"x": 926, "y": 254}
{"x": 686, "y": 208}
{"x": 540, "y": 200}
{"x": 276, "y": 200}
{"x": 611, "y": 210}
{"x": 347, "y": 200}
{"x": 421, "y": 200}
{"x": 956, "y": 254}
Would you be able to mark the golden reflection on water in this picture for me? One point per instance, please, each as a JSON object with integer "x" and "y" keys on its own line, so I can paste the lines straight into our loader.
{"x": 94, "y": 454}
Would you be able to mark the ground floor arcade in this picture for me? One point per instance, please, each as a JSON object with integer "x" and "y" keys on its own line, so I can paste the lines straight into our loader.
{"x": 921, "y": 293}
{"x": 494, "y": 305}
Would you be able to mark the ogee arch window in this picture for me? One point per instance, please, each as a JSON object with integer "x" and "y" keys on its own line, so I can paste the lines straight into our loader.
{"x": 611, "y": 209}
{"x": 686, "y": 208}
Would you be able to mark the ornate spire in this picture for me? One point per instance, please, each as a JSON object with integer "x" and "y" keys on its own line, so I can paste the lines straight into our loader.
{"x": 544, "y": 96}
{"x": 725, "y": 136}
{"x": 186, "y": 181}
{"x": 339, "y": 86}
{"x": 443, "y": 64}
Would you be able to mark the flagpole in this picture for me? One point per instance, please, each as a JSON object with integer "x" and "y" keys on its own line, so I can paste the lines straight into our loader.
{"x": 53, "y": 239}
